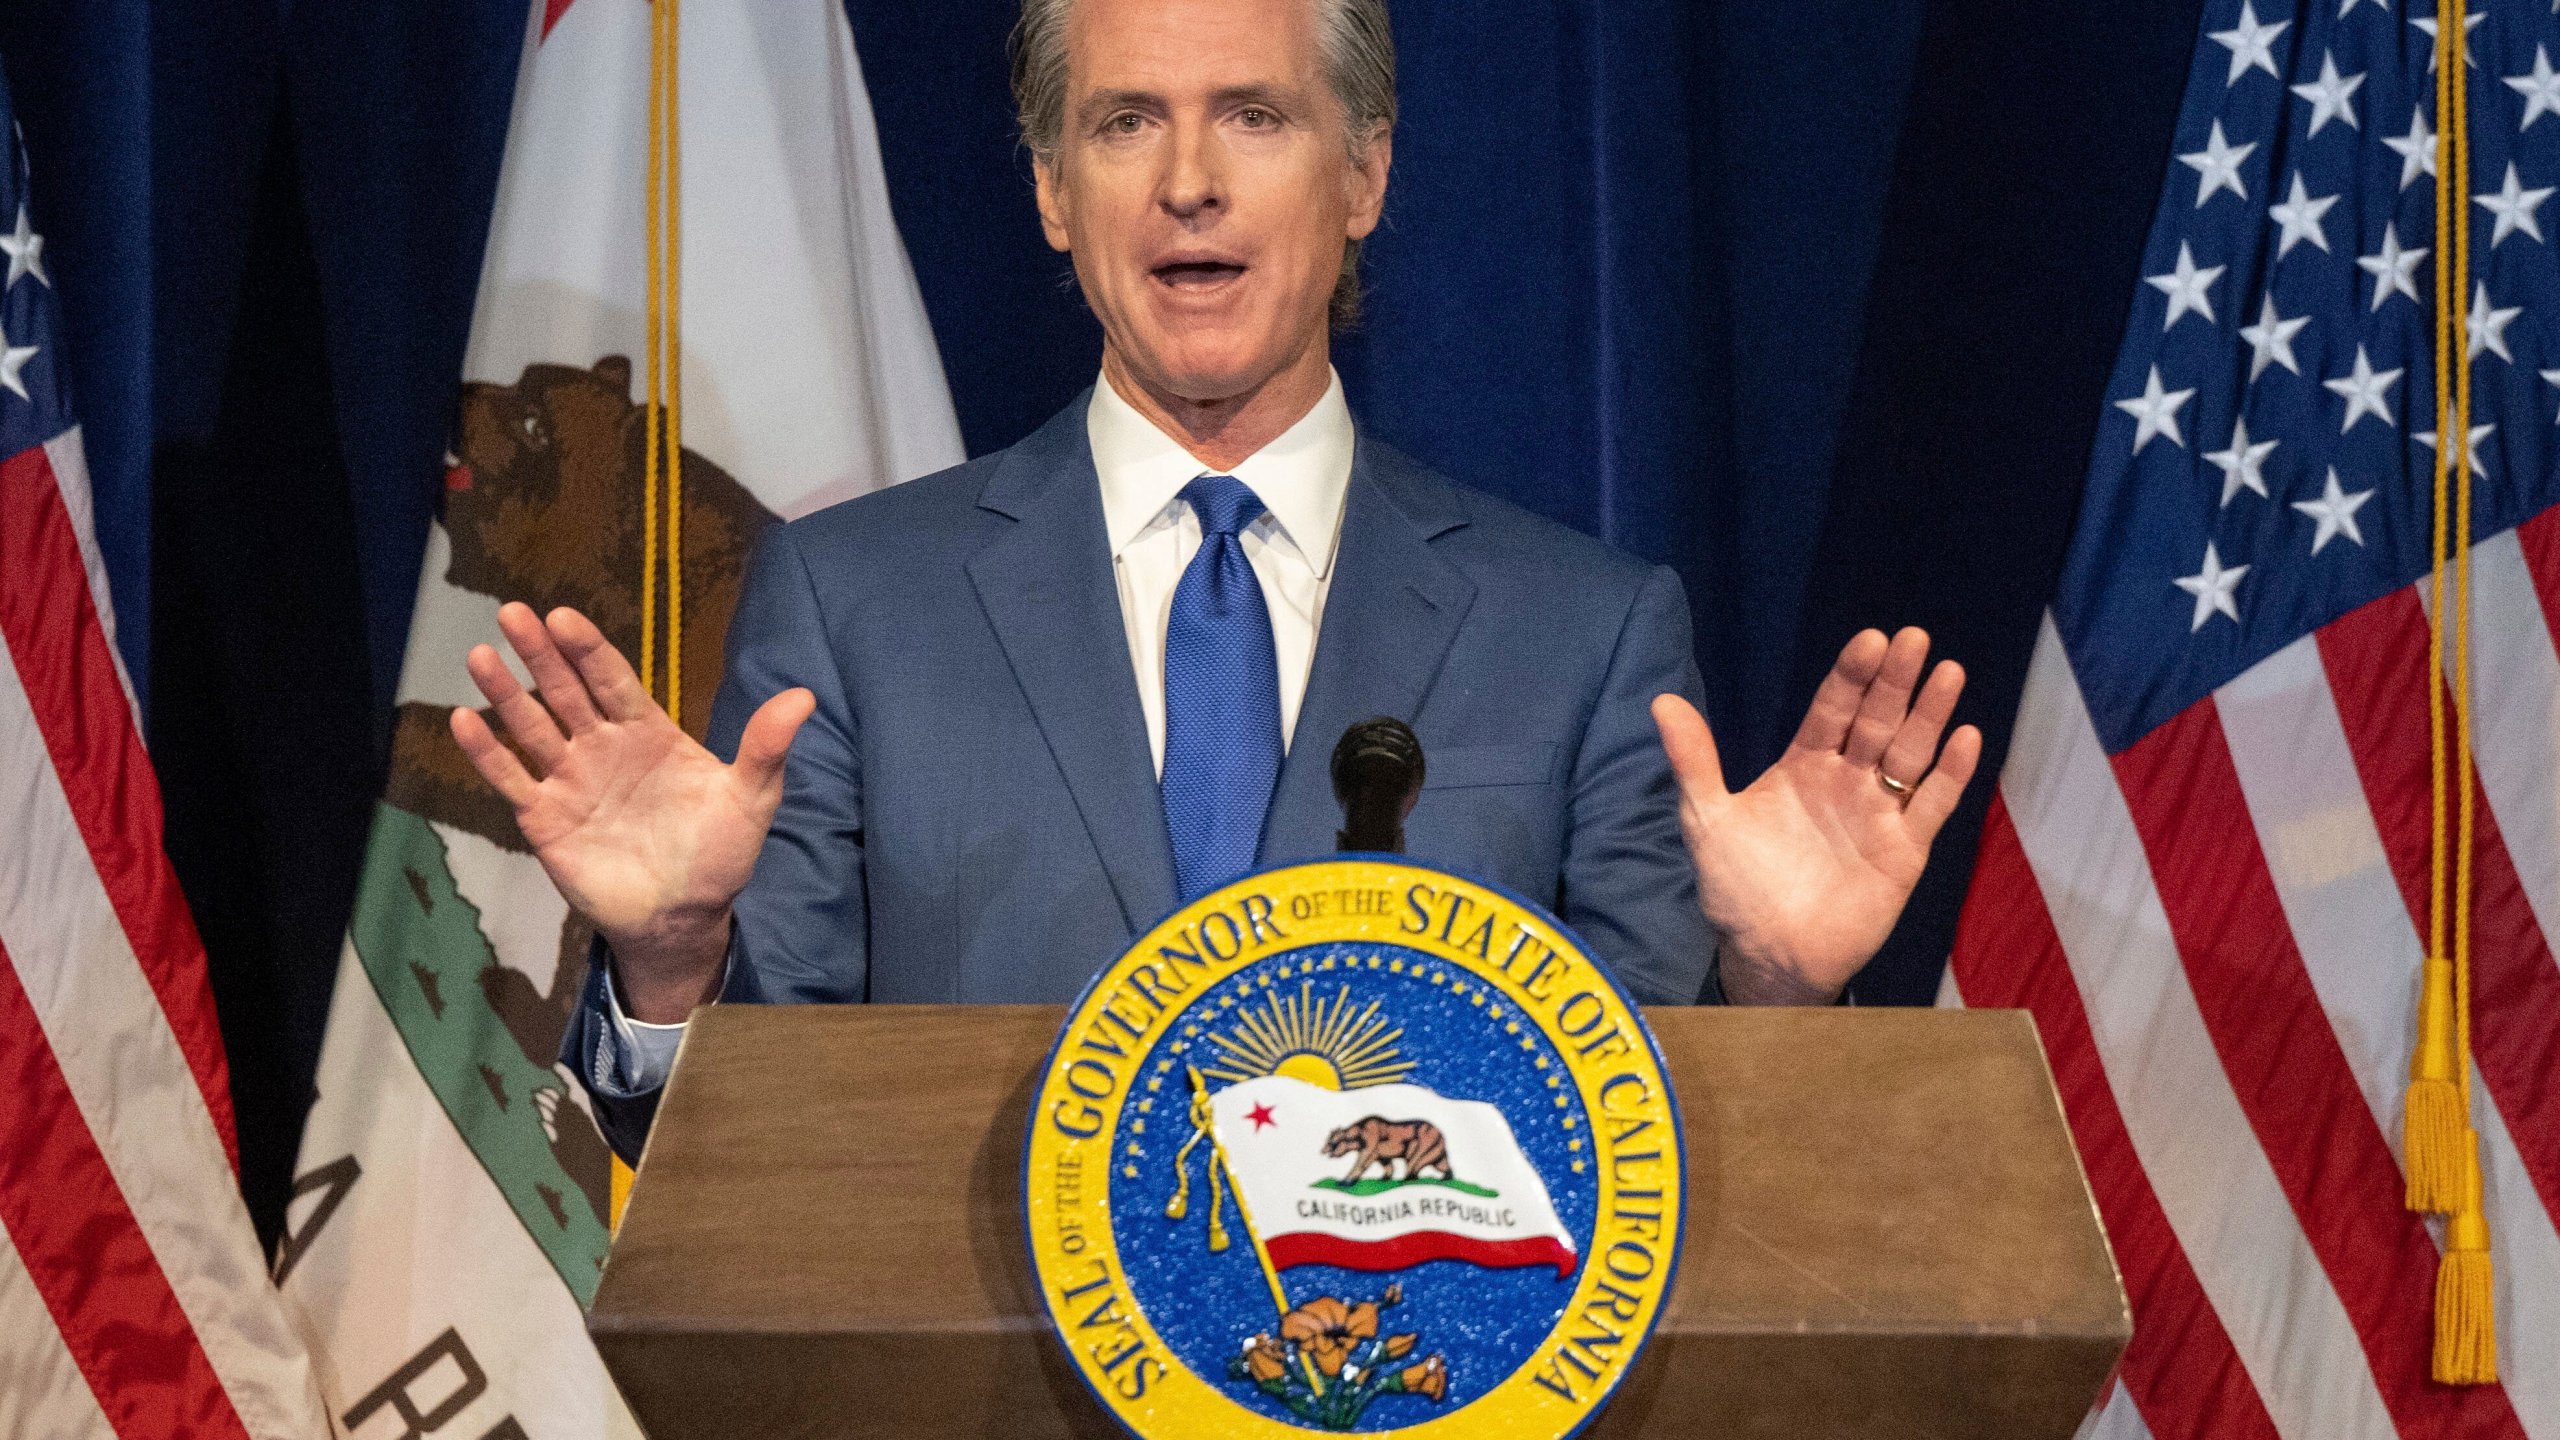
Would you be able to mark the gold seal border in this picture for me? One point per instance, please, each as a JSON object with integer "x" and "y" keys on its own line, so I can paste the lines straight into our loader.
{"x": 1518, "y": 952}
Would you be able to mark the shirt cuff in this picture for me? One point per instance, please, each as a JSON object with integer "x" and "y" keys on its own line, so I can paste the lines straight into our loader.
{"x": 641, "y": 1053}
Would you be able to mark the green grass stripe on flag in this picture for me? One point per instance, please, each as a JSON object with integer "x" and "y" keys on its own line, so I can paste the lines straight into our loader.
{"x": 420, "y": 942}
{"x": 1376, "y": 1186}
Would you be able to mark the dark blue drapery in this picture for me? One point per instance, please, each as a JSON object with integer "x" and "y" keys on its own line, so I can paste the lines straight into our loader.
{"x": 1812, "y": 301}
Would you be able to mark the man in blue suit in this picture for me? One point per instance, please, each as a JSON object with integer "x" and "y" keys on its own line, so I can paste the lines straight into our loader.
{"x": 981, "y": 729}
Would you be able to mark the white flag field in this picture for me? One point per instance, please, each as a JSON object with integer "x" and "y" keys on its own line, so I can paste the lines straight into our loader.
{"x": 1383, "y": 1177}
{"x": 452, "y": 1206}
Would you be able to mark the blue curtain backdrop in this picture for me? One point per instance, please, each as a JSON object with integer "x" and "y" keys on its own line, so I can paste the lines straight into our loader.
{"x": 1814, "y": 302}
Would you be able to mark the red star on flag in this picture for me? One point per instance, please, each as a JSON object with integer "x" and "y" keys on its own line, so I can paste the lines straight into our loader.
{"x": 1260, "y": 1115}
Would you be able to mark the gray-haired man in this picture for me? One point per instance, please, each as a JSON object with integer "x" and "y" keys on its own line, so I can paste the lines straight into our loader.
{"x": 1022, "y": 718}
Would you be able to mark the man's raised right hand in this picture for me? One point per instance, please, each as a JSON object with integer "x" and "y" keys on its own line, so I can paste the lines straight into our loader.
{"x": 645, "y": 832}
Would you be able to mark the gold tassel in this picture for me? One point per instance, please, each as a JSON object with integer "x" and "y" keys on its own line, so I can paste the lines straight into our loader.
{"x": 2432, "y": 1122}
{"x": 2466, "y": 1307}
{"x": 1202, "y": 1118}
{"x": 1217, "y": 1202}
{"x": 1180, "y": 1204}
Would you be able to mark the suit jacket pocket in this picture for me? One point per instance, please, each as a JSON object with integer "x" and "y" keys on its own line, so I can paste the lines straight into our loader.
{"x": 1456, "y": 766}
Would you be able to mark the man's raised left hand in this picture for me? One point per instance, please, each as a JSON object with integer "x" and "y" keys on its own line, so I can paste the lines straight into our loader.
{"x": 1804, "y": 872}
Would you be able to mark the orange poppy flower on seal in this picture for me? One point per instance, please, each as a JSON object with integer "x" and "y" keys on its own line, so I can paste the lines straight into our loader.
{"x": 1264, "y": 1359}
{"x": 1431, "y": 1378}
{"x": 1326, "y": 1329}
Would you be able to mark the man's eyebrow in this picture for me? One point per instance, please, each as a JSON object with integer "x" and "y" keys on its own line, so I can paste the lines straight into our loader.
{"x": 1103, "y": 102}
{"x": 1263, "y": 93}
{"x": 1106, "y": 102}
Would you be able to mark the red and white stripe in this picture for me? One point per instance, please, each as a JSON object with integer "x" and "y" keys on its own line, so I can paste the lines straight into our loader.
{"x": 134, "y": 1303}
{"x": 2219, "y": 933}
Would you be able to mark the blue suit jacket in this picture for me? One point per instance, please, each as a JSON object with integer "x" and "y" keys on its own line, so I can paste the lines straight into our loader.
{"x": 971, "y": 815}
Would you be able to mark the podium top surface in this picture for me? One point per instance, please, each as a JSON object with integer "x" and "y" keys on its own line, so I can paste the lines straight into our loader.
{"x": 841, "y": 1170}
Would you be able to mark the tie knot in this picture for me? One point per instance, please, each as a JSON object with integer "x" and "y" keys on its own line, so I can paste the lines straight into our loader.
{"x": 1224, "y": 504}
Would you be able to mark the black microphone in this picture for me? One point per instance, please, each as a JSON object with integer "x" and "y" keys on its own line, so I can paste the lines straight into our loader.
{"x": 1377, "y": 775}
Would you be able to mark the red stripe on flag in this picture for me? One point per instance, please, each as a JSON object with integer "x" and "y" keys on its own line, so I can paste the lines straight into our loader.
{"x": 87, "y": 1255}
{"x": 2181, "y": 1368}
{"x": 2376, "y": 658}
{"x": 1413, "y": 1249}
{"x": 2539, "y": 538}
{"x": 69, "y": 675}
{"x": 2287, "y": 1069}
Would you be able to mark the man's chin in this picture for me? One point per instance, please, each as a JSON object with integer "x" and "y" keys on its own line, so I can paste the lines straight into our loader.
{"x": 1207, "y": 378}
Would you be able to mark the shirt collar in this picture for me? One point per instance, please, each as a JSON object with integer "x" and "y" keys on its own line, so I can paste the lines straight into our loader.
{"x": 1302, "y": 475}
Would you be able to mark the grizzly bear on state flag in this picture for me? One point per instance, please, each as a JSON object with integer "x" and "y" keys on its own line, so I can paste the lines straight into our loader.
{"x": 542, "y": 504}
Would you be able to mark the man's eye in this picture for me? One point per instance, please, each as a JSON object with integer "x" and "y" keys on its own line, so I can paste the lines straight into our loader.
{"x": 1124, "y": 123}
{"x": 1255, "y": 118}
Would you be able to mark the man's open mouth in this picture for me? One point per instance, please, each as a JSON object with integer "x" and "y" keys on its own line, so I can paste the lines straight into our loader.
{"x": 1197, "y": 274}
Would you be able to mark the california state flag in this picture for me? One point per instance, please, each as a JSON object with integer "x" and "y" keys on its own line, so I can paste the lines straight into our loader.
{"x": 1383, "y": 1177}
{"x": 454, "y": 1203}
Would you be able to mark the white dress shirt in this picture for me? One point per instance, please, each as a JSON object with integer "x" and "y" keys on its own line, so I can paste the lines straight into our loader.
{"x": 1303, "y": 476}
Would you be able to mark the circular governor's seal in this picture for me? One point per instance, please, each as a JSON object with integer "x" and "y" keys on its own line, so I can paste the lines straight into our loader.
{"x": 1354, "y": 1145}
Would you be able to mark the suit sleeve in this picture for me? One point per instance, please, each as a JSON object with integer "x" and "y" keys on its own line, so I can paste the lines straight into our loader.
{"x": 1629, "y": 888}
{"x": 803, "y": 926}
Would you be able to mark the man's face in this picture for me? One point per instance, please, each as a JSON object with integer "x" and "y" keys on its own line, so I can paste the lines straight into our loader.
{"x": 1203, "y": 183}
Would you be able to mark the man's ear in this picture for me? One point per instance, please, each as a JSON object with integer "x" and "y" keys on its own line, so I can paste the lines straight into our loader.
{"x": 1053, "y": 203}
{"x": 1367, "y": 182}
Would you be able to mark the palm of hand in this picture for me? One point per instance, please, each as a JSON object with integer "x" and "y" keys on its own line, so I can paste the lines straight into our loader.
{"x": 643, "y": 831}
{"x": 636, "y": 823}
{"x": 1808, "y": 868}
{"x": 1804, "y": 872}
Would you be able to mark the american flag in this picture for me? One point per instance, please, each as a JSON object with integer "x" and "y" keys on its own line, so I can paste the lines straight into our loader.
{"x": 133, "y": 1299}
{"x": 2206, "y": 869}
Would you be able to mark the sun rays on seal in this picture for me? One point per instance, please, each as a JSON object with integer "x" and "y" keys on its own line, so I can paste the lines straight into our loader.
{"x": 1322, "y": 1043}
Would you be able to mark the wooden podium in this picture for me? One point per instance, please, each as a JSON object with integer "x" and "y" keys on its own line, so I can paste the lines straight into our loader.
{"x": 1888, "y": 1234}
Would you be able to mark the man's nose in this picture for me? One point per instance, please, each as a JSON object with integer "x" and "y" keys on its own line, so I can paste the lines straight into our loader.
{"x": 1194, "y": 177}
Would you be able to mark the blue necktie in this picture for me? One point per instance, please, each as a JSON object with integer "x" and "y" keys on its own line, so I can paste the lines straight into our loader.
{"x": 1221, "y": 697}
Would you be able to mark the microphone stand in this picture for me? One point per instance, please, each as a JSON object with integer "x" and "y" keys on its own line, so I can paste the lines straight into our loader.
{"x": 1377, "y": 777}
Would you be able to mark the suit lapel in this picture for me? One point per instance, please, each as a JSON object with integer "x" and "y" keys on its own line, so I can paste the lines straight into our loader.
{"x": 1047, "y": 588}
{"x": 1389, "y": 618}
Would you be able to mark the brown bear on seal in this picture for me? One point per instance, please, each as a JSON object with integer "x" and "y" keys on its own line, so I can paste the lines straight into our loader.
{"x": 1380, "y": 1143}
{"x": 543, "y": 504}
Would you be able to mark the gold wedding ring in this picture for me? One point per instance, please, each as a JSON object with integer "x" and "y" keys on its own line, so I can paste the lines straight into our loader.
{"x": 1900, "y": 791}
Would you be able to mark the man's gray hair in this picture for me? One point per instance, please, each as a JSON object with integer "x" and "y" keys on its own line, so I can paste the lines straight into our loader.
{"x": 1359, "y": 54}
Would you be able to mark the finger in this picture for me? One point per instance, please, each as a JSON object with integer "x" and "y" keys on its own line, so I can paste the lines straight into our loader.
{"x": 524, "y": 716}
{"x": 768, "y": 737}
{"x": 494, "y": 761}
{"x": 610, "y": 678}
{"x": 1936, "y": 798}
{"x": 1835, "y": 703}
{"x": 1916, "y": 743}
{"x": 1692, "y": 748}
{"x": 562, "y": 690}
{"x": 1888, "y": 697}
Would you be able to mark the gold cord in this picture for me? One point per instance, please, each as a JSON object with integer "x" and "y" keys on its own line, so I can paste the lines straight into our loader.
{"x": 2453, "y": 196}
{"x": 674, "y": 287}
{"x": 662, "y": 458}
{"x": 2441, "y": 1148}
{"x": 653, "y": 322}
{"x": 662, "y": 454}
